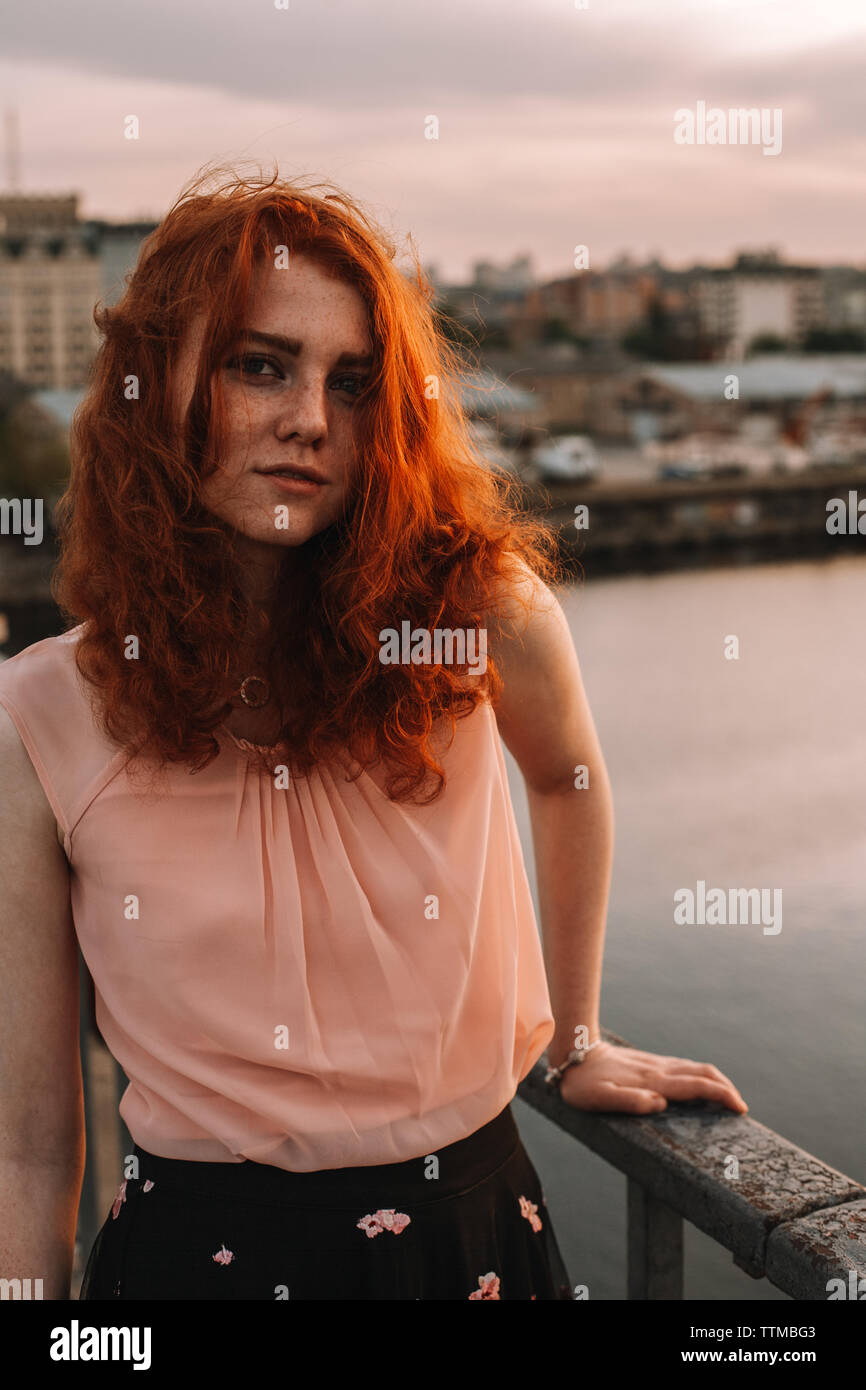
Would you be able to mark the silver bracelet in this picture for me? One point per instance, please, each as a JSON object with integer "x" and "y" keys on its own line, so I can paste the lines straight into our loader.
{"x": 574, "y": 1059}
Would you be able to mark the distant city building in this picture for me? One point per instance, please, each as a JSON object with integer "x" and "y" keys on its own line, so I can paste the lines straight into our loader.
{"x": 700, "y": 312}
{"x": 515, "y": 278}
{"x": 119, "y": 244}
{"x": 768, "y": 380}
{"x": 53, "y": 270}
{"x": 513, "y": 409}
{"x": 21, "y": 213}
{"x": 845, "y": 298}
{"x": 610, "y": 397}
{"x": 683, "y": 397}
{"x": 758, "y": 295}
{"x": 49, "y": 280}
{"x": 593, "y": 305}
{"x": 564, "y": 381}
{"x": 488, "y": 300}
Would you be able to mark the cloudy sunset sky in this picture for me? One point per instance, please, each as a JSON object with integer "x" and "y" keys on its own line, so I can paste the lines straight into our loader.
{"x": 555, "y": 123}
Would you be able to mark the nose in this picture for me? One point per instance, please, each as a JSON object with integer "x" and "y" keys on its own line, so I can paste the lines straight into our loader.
{"x": 301, "y": 415}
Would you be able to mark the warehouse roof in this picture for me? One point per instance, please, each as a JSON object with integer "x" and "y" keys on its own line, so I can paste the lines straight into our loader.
{"x": 774, "y": 377}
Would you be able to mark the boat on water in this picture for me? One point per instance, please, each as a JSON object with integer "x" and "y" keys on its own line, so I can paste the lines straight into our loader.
{"x": 567, "y": 458}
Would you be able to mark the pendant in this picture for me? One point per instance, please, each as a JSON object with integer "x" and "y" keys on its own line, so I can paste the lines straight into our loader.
{"x": 253, "y": 697}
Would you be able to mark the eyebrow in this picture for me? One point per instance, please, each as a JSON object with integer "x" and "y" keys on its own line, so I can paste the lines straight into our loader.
{"x": 294, "y": 346}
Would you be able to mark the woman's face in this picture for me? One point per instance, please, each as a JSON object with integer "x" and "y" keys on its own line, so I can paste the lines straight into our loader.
{"x": 289, "y": 384}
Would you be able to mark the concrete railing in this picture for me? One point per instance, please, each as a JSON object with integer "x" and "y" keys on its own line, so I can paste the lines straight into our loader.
{"x": 785, "y": 1215}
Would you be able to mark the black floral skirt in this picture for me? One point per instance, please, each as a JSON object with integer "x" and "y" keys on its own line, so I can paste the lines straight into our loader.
{"x": 468, "y": 1222}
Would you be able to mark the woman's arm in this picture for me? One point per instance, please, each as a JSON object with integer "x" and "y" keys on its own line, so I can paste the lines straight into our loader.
{"x": 546, "y": 723}
{"x": 41, "y": 1106}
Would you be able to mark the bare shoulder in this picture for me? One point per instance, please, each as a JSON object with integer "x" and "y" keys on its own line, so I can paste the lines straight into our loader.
{"x": 542, "y": 712}
{"x": 519, "y": 591}
{"x": 527, "y": 628}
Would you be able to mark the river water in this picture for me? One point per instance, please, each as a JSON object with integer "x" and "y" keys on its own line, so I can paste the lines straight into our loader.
{"x": 742, "y": 773}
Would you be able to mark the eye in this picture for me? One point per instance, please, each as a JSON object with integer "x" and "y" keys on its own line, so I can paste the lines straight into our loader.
{"x": 353, "y": 384}
{"x": 249, "y": 365}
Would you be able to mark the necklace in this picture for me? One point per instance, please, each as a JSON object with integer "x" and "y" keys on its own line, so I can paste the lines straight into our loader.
{"x": 255, "y": 692}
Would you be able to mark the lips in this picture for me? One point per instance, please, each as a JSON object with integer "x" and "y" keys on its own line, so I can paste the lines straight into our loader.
{"x": 302, "y": 475}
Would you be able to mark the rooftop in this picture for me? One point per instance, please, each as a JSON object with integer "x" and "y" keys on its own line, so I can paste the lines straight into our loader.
{"x": 776, "y": 376}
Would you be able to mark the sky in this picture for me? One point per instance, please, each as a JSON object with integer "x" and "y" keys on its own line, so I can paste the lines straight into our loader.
{"x": 555, "y": 122}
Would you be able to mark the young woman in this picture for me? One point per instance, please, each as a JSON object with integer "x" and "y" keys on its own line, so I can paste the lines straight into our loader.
{"x": 260, "y": 779}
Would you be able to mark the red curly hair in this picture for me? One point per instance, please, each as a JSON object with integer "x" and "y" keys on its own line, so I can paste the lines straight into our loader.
{"x": 429, "y": 532}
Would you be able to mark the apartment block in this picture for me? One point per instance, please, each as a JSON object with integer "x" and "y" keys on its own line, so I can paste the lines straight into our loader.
{"x": 50, "y": 279}
{"x": 758, "y": 295}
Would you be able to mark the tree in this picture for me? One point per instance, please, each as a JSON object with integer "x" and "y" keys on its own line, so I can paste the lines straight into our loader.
{"x": 767, "y": 342}
{"x": 658, "y": 338}
{"x": 34, "y": 450}
{"x": 835, "y": 340}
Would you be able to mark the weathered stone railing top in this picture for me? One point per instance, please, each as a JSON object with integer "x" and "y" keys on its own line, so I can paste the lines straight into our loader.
{"x": 785, "y": 1215}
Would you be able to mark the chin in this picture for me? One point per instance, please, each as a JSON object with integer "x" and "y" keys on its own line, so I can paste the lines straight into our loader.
{"x": 294, "y": 535}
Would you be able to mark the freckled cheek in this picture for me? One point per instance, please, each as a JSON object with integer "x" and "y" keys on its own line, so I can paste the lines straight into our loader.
{"x": 245, "y": 423}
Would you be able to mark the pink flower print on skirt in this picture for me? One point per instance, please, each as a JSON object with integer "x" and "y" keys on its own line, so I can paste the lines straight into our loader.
{"x": 392, "y": 1220}
{"x": 119, "y": 1200}
{"x": 223, "y": 1257}
{"x": 530, "y": 1211}
{"x": 385, "y": 1219}
{"x": 488, "y": 1286}
{"x": 147, "y": 1186}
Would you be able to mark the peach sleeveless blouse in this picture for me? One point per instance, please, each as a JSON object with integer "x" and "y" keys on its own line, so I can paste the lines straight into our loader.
{"x": 314, "y": 977}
